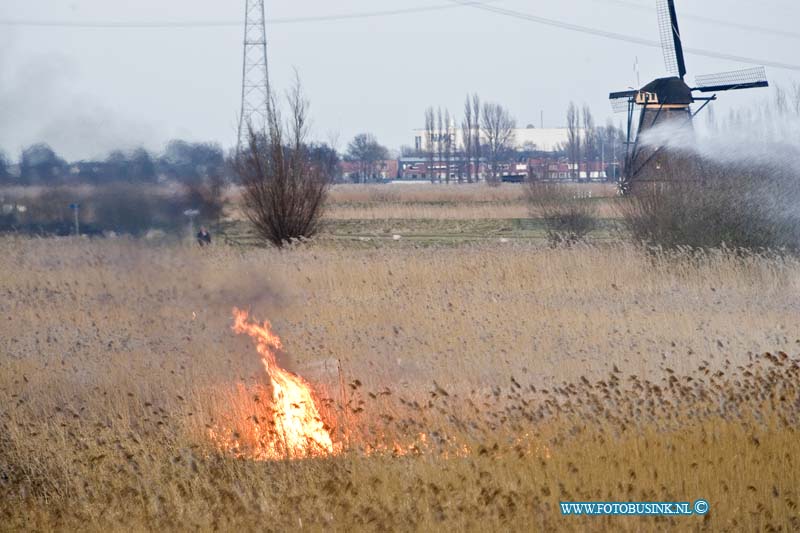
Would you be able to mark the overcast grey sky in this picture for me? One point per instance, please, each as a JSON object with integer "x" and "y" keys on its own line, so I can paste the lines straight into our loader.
{"x": 86, "y": 91}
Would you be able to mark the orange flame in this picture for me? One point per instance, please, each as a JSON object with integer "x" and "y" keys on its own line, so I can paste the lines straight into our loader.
{"x": 296, "y": 429}
{"x": 299, "y": 431}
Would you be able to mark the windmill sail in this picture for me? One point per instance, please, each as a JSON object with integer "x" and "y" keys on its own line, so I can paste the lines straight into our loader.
{"x": 669, "y": 100}
{"x": 671, "y": 38}
{"x": 728, "y": 81}
{"x": 619, "y": 105}
{"x": 622, "y": 95}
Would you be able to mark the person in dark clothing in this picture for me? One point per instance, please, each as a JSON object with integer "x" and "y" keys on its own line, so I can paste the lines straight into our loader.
{"x": 203, "y": 237}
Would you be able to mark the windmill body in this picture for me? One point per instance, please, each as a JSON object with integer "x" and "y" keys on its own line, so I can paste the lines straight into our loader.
{"x": 669, "y": 100}
{"x": 664, "y": 100}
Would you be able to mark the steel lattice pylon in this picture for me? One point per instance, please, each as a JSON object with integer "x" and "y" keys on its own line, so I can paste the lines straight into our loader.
{"x": 255, "y": 74}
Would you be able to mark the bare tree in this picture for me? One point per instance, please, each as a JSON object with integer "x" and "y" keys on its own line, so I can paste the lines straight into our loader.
{"x": 497, "y": 127}
{"x": 781, "y": 100}
{"x": 476, "y": 144}
{"x": 613, "y": 143}
{"x": 368, "y": 153}
{"x": 334, "y": 138}
{"x": 284, "y": 193}
{"x": 467, "y": 125}
{"x": 439, "y": 145}
{"x": 4, "y": 164}
{"x": 589, "y": 140}
{"x": 448, "y": 145}
{"x": 796, "y": 98}
{"x": 430, "y": 126}
{"x": 573, "y": 146}
{"x": 711, "y": 118}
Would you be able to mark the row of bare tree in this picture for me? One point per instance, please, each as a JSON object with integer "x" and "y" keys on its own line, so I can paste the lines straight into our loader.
{"x": 772, "y": 118}
{"x": 485, "y": 141}
{"x": 587, "y": 142}
{"x": 486, "y": 135}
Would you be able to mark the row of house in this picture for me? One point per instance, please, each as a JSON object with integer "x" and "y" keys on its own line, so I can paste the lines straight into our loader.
{"x": 517, "y": 171}
{"x": 385, "y": 170}
{"x": 536, "y": 154}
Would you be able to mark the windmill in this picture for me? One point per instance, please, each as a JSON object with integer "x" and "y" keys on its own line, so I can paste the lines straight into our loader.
{"x": 670, "y": 100}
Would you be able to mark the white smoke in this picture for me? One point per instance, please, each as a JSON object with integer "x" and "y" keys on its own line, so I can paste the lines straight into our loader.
{"x": 40, "y": 104}
{"x": 754, "y": 154}
{"x": 765, "y": 135}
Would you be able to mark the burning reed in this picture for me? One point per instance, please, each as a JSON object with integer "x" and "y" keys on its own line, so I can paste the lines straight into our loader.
{"x": 481, "y": 386}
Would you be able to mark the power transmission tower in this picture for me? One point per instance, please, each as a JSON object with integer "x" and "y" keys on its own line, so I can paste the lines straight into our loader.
{"x": 255, "y": 75}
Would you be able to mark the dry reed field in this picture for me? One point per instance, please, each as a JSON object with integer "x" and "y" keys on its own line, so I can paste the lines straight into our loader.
{"x": 447, "y": 202}
{"x": 442, "y": 202}
{"x": 474, "y": 387}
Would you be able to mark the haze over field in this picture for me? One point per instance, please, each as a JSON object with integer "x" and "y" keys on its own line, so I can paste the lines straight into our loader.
{"x": 143, "y": 86}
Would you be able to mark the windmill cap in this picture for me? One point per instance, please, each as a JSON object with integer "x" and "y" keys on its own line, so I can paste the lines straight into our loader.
{"x": 672, "y": 91}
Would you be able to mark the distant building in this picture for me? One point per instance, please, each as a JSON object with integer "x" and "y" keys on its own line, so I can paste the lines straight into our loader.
{"x": 518, "y": 170}
{"x": 382, "y": 171}
{"x": 544, "y": 169}
{"x": 422, "y": 169}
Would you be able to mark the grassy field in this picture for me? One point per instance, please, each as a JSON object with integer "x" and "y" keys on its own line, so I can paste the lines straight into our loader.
{"x": 404, "y": 233}
{"x": 484, "y": 383}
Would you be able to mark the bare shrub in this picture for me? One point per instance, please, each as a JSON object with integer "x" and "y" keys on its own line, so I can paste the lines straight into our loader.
{"x": 736, "y": 207}
{"x": 568, "y": 217}
{"x": 283, "y": 190}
